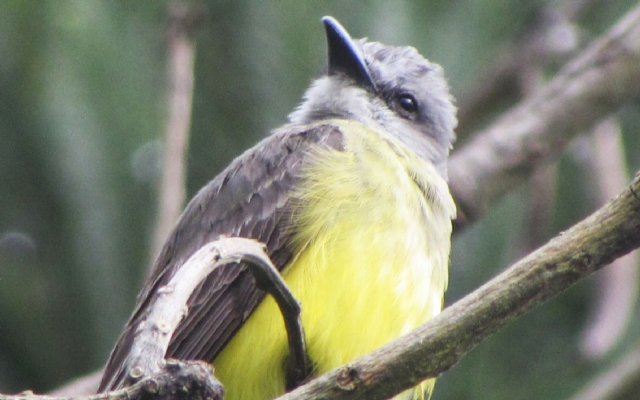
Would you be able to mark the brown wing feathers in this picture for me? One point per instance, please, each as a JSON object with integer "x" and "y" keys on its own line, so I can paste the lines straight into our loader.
{"x": 251, "y": 198}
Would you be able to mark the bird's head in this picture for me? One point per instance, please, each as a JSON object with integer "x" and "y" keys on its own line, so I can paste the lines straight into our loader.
{"x": 392, "y": 88}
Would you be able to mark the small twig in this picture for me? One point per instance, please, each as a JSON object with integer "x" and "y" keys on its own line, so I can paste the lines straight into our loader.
{"x": 183, "y": 23}
{"x": 596, "y": 83}
{"x": 609, "y": 233}
{"x": 167, "y": 308}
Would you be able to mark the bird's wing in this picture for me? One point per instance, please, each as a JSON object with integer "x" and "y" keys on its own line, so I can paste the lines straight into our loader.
{"x": 252, "y": 199}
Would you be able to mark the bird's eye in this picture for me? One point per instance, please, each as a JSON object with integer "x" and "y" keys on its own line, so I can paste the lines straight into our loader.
{"x": 408, "y": 103}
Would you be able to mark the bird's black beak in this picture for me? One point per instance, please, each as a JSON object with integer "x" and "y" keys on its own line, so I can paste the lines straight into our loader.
{"x": 344, "y": 56}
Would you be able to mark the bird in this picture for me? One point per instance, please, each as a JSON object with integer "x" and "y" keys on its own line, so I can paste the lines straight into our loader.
{"x": 351, "y": 200}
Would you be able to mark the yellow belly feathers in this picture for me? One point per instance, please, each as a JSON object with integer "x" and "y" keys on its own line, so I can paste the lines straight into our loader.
{"x": 373, "y": 227}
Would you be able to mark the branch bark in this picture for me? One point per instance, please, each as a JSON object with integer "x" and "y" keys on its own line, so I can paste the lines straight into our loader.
{"x": 191, "y": 380}
{"x": 535, "y": 132}
{"x": 609, "y": 233}
{"x": 595, "y": 84}
{"x": 170, "y": 304}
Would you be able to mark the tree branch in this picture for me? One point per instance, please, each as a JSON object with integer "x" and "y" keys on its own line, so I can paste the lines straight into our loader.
{"x": 609, "y": 233}
{"x": 553, "y": 37}
{"x": 191, "y": 380}
{"x": 170, "y": 304}
{"x": 595, "y": 84}
{"x": 183, "y": 23}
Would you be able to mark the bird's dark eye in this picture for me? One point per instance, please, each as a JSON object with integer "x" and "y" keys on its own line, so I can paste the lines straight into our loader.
{"x": 408, "y": 103}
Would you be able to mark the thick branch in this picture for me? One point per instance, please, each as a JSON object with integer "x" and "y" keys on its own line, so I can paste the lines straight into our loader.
{"x": 609, "y": 233}
{"x": 191, "y": 380}
{"x": 605, "y": 76}
{"x": 601, "y": 79}
{"x": 168, "y": 307}
{"x": 146, "y": 364}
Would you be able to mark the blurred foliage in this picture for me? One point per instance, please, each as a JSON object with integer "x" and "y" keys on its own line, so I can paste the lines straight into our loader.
{"x": 82, "y": 114}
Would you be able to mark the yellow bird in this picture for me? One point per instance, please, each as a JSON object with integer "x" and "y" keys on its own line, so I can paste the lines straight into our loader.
{"x": 350, "y": 198}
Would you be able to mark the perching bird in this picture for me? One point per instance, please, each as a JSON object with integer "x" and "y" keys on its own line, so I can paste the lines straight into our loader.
{"x": 350, "y": 198}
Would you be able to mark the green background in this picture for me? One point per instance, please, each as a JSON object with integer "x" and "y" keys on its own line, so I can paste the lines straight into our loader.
{"x": 82, "y": 116}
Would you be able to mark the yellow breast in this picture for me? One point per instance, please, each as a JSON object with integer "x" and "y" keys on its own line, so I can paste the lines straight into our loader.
{"x": 373, "y": 229}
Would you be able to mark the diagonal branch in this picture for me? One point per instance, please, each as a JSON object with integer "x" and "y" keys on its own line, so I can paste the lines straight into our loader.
{"x": 609, "y": 233}
{"x": 595, "y": 84}
{"x": 601, "y": 79}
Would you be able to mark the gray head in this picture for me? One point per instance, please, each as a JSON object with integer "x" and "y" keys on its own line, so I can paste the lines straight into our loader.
{"x": 393, "y": 88}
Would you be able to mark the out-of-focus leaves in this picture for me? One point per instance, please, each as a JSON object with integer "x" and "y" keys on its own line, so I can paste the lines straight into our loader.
{"x": 82, "y": 111}
{"x": 80, "y": 89}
